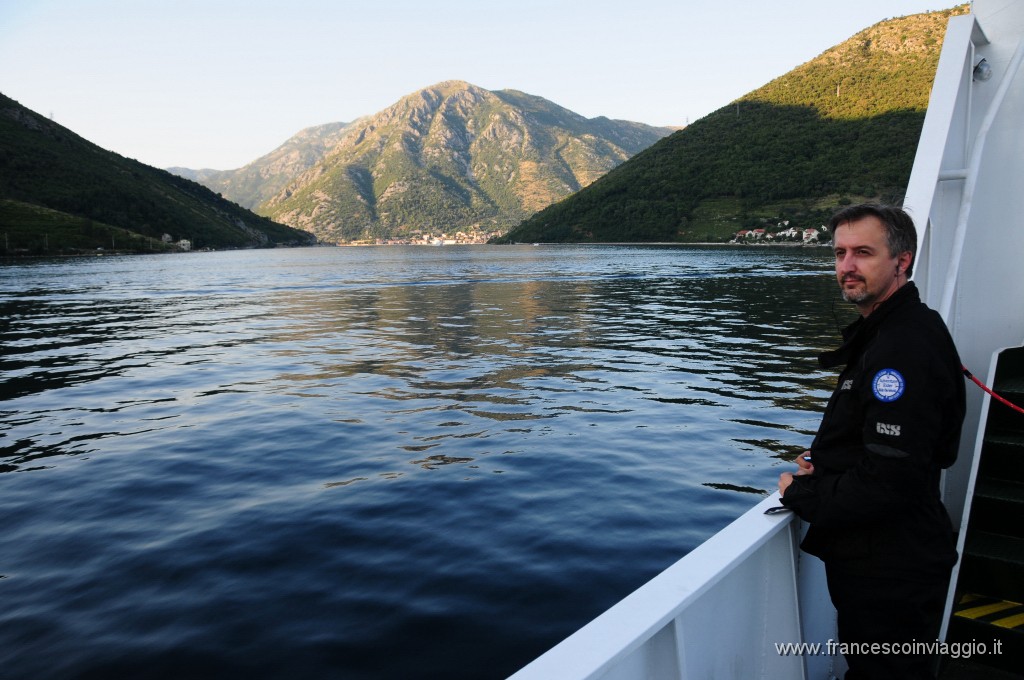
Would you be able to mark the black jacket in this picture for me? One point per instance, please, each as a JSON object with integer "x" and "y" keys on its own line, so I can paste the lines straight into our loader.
{"x": 891, "y": 425}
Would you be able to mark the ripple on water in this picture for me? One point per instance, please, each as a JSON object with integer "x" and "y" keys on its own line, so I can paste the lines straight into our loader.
{"x": 383, "y": 462}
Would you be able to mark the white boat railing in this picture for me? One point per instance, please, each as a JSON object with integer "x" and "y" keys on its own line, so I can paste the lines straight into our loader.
{"x": 728, "y": 609}
{"x": 971, "y": 179}
{"x": 948, "y": 166}
{"x": 942, "y": 154}
{"x": 734, "y": 606}
{"x": 964, "y": 194}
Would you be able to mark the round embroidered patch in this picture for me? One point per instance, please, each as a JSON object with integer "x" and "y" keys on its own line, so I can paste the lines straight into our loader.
{"x": 888, "y": 385}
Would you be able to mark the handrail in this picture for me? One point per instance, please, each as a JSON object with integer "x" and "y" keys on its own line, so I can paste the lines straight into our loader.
{"x": 940, "y": 135}
{"x": 971, "y": 181}
{"x": 718, "y": 608}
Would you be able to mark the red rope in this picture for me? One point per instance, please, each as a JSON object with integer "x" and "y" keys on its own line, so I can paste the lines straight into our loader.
{"x": 989, "y": 390}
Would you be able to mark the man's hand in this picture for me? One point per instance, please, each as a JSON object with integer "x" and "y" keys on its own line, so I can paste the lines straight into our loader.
{"x": 805, "y": 467}
{"x": 804, "y": 462}
{"x": 785, "y": 479}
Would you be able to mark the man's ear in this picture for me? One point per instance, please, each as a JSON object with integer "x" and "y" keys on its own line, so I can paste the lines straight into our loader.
{"x": 903, "y": 261}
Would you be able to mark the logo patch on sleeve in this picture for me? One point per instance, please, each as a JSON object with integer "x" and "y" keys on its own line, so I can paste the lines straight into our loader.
{"x": 886, "y": 428}
{"x": 888, "y": 385}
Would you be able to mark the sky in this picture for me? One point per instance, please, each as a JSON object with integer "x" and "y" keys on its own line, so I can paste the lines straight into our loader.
{"x": 219, "y": 83}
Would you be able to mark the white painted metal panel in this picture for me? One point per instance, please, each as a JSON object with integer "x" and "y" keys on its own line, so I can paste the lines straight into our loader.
{"x": 716, "y": 613}
{"x": 720, "y": 611}
{"x": 972, "y": 228}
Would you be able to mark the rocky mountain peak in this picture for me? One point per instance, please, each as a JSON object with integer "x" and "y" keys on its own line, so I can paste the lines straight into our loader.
{"x": 452, "y": 156}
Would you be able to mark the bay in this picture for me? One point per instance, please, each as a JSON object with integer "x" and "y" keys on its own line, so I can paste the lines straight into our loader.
{"x": 380, "y": 462}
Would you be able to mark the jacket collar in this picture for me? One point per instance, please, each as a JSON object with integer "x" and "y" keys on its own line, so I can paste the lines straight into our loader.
{"x": 857, "y": 334}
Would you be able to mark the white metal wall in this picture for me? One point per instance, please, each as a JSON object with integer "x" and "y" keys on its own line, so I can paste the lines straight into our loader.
{"x": 716, "y": 613}
{"x": 986, "y": 310}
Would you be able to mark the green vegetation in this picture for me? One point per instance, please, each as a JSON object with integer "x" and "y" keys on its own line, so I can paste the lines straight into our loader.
{"x": 84, "y": 194}
{"x": 843, "y": 125}
{"x": 270, "y": 174}
{"x": 452, "y": 157}
{"x": 27, "y": 229}
{"x": 764, "y": 155}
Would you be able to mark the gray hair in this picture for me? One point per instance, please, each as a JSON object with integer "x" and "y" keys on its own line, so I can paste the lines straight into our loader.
{"x": 900, "y": 233}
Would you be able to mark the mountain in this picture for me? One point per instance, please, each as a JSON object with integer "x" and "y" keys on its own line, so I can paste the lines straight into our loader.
{"x": 449, "y": 157}
{"x": 60, "y": 192}
{"x": 270, "y": 174}
{"x": 840, "y": 128}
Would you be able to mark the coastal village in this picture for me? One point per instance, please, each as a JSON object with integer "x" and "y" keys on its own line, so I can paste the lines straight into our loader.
{"x": 786, "y": 234}
{"x": 421, "y": 238}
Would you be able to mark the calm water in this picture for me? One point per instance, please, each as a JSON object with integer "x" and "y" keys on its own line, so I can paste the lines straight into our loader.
{"x": 379, "y": 462}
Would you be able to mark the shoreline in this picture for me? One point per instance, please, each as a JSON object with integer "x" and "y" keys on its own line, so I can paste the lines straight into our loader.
{"x": 702, "y": 244}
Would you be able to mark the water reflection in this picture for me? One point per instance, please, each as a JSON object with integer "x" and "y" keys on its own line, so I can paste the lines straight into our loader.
{"x": 712, "y": 331}
{"x": 415, "y": 444}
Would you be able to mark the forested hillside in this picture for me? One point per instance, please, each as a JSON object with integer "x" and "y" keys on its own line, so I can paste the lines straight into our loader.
{"x": 266, "y": 176}
{"x": 61, "y": 193}
{"x": 841, "y": 127}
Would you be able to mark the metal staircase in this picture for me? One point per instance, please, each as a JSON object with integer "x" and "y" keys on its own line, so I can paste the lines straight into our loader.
{"x": 989, "y": 606}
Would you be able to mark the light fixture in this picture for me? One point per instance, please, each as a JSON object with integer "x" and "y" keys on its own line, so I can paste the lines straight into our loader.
{"x": 982, "y": 71}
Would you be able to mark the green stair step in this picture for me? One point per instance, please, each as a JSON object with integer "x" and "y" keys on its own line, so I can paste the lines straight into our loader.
{"x": 996, "y": 547}
{"x": 1010, "y": 385}
{"x": 994, "y": 565}
{"x": 1005, "y": 438}
{"x": 998, "y": 508}
{"x": 1003, "y": 455}
{"x": 999, "y": 490}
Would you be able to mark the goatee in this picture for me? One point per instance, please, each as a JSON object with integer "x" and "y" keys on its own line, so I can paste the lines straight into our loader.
{"x": 856, "y": 296}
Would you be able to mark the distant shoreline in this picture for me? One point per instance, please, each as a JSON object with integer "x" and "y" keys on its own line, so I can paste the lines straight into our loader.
{"x": 785, "y": 244}
{"x": 126, "y": 253}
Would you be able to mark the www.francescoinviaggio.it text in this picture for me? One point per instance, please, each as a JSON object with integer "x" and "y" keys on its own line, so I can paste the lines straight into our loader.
{"x": 956, "y": 650}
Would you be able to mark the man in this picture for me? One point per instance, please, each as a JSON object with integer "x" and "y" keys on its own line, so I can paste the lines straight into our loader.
{"x": 869, "y": 486}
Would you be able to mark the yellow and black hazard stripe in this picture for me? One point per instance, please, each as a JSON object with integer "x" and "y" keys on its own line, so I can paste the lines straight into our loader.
{"x": 991, "y": 610}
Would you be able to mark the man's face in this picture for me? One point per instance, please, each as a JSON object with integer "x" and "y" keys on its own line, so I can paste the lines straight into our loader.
{"x": 866, "y": 272}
